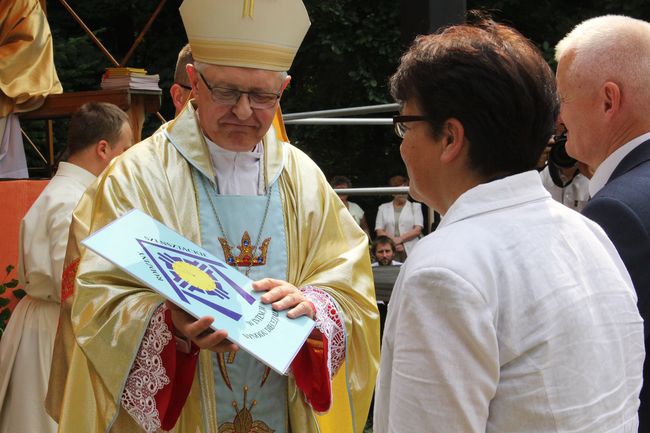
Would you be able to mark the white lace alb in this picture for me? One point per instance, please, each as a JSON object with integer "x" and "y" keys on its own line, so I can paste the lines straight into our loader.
{"x": 329, "y": 322}
{"x": 148, "y": 375}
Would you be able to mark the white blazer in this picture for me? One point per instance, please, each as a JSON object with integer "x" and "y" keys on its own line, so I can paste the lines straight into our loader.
{"x": 411, "y": 216}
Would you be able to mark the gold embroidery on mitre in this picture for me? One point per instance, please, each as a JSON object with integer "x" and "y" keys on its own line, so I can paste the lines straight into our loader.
{"x": 249, "y": 54}
{"x": 243, "y": 422}
{"x": 247, "y": 255}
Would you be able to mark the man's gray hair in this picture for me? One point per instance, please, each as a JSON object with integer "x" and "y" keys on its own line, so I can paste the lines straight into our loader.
{"x": 611, "y": 48}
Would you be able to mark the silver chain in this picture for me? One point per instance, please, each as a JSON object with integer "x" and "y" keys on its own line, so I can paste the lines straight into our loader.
{"x": 223, "y": 232}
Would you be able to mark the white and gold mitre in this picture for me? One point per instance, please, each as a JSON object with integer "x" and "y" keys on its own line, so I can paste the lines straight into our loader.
{"x": 261, "y": 34}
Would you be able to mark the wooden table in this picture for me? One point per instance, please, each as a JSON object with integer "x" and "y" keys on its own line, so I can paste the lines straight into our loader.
{"x": 384, "y": 277}
{"x": 136, "y": 103}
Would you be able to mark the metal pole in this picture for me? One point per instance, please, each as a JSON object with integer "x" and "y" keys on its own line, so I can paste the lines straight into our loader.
{"x": 368, "y": 109}
{"x": 339, "y": 121}
{"x": 387, "y": 190}
{"x": 143, "y": 32}
{"x": 50, "y": 139}
{"x": 29, "y": 140}
{"x": 90, "y": 33}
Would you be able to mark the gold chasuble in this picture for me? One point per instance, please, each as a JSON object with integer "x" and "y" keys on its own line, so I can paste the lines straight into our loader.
{"x": 27, "y": 73}
{"x": 105, "y": 315}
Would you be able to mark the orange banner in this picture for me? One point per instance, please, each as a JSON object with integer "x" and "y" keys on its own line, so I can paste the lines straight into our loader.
{"x": 17, "y": 198}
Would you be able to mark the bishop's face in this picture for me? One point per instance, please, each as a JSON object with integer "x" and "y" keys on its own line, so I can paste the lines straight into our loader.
{"x": 236, "y": 127}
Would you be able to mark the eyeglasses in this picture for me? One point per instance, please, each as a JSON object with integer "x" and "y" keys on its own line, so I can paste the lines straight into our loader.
{"x": 228, "y": 96}
{"x": 399, "y": 123}
{"x": 184, "y": 86}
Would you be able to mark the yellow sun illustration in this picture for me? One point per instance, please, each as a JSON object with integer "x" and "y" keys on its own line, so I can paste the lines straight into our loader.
{"x": 194, "y": 276}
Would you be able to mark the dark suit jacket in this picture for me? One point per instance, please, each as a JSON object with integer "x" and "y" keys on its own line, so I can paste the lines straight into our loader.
{"x": 622, "y": 209}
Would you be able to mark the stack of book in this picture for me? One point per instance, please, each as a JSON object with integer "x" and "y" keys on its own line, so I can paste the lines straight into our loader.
{"x": 129, "y": 78}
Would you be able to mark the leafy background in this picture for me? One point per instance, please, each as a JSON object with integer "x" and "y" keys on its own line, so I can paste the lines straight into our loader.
{"x": 8, "y": 289}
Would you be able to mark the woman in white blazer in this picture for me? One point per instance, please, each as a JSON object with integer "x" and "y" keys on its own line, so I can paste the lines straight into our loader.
{"x": 406, "y": 232}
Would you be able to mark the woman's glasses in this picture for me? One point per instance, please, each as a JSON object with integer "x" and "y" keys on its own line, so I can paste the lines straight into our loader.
{"x": 400, "y": 123}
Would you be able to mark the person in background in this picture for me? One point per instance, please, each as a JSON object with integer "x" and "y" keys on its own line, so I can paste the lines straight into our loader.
{"x": 603, "y": 78}
{"x": 561, "y": 176}
{"x": 221, "y": 175}
{"x": 400, "y": 219}
{"x": 516, "y": 314}
{"x": 27, "y": 76}
{"x": 181, "y": 90}
{"x": 343, "y": 182}
{"x": 97, "y": 133}
{"x": 383, "y": 250}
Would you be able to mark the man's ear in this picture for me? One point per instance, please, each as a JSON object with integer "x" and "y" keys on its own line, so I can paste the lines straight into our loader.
{"x": 453, "y": 140}
{"x": 174, "y": 92}
{"x": 611, "y": 97}
{"x": 193, "y": 77}
{"x": 102, "y": 149}
{"x": 178, "y": 95}
{"x": 285, "y": 83}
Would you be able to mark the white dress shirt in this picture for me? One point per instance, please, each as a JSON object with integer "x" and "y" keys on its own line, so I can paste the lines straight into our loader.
{"x": 410, "y": 217}
{"x": 27, "y": 344}
{"x": 392, "y": 263}
{"x": 237, "y": 173}
{"x": 44, "y": 231}
{"x": 356, "y": 212}
{"x": 607, "y": 167}
{"x": 515, "y": 315}
{"x": 575, "y": 195}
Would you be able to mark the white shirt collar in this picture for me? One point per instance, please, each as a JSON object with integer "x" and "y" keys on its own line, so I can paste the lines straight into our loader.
{"x": 77, "y": 172}
{"x": 607, "y": 167}
{"x": 236, "y": 173}
{"x": 498, "y": 194}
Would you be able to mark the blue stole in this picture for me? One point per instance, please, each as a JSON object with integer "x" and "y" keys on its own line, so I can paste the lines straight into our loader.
{"x": 244, "y": 386}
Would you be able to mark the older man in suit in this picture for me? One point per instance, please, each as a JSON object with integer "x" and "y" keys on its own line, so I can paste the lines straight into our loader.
{"x": 603, "y": 78}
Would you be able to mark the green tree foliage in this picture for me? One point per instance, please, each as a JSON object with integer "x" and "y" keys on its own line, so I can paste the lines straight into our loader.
{"x": 546, "y": 22}
{"x": 5, "y": 296}
{"x": 350, "y": 50}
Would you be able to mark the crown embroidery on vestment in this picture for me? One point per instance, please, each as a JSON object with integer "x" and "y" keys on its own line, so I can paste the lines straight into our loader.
{"x": 247, "y": 252}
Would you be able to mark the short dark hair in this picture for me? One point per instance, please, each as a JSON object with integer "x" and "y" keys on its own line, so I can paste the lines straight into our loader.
{"x": 180, "y": 73}
{"x": 92, "y": 122}
{"x": 398, "y": 180}
{"x": 341, "y": 180}
{"x": 382, "y": 240}
{"x": 494, "y": 81}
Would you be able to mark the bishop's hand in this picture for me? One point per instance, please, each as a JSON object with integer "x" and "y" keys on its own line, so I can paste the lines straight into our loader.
{"x": 284, "y": 296}
{"x": 199, "y": 331}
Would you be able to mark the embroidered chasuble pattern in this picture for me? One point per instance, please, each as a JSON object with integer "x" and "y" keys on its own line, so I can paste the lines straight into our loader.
{"x": 247, "y": 391}
{"x": 247, "y": 255}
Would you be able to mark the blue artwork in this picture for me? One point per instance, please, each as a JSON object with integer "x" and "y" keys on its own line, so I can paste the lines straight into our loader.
{"x": 201, "y": 284}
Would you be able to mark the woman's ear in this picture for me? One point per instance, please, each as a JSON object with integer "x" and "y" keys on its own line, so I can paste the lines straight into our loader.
{"x": 453, "y": 140}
